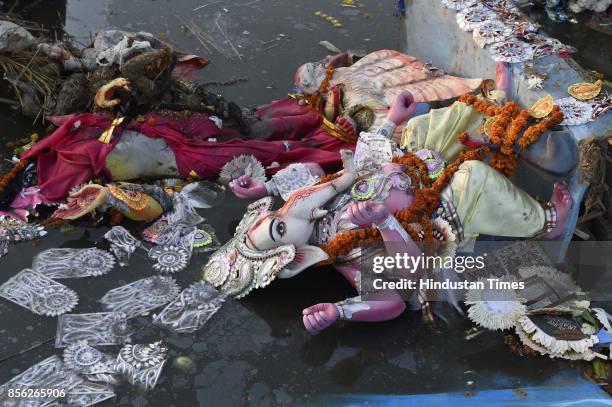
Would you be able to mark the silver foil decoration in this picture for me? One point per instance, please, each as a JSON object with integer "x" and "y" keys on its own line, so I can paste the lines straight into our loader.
{"x": 123, "y": 244}
{"x": 46, "y": 375}
{"x": 73, "y": 263}
{"x": 174, "y": 257}
{"x": 142, "y": 364}
{"x": 292, "y": 178}
{"x": 39, "y": 294}
{"x": 4, "y": 244}
{"x": 171, "y": 228}
{"x": 102, "y": 328}
{"x": 169, "y": 258}
{"x": 88, "y": 394}
{"x": 141, "y": 296}
{"x": 87, "y": 360}
{"x": 194, "y": 307}
{"x": 372, "y": 152}
{"x": 17, "y": 231}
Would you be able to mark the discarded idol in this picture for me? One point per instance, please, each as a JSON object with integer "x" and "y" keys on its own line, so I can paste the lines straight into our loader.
{"x": 192, "y": 309}
{"x": 73, "y": 263}
{"x": 101, "y": 328}
{"x": 39, "y": 294}
{"x": 142, "y": 364}
{"x": 141, "y": 296}
{"x": 377, "y": 197}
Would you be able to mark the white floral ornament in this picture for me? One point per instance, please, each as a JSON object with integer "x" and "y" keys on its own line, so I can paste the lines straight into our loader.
{"x": 142, "y": 364}
{"x": 192, "y": 309}
{"x": 47, "y": 374}
{"x": 491, "y": 32}
{"x": 87, "y": 360}
{"x": 443, "y": 232}
{"x": 88, "y": 393}
{"x": 73, "y": 263}
{"x": 55, "y": 300}
{"x": 468, "y": 19}
{"x": 511, "y": 51}
{"x": 494, "y": 309}
{"x": 458, "y": 4}
{"x": 123, "y": 244}
{"x": 292, "y": 178}
{"x": 169, "y": 258}
{"x": 39, "y": 294}
{"x": 101, "y": 328}
{"x": 141, "y": 296}
{"x": 242, "y": 165}
{"x": 575, "y": 112}
{"x": 556, "y": 333}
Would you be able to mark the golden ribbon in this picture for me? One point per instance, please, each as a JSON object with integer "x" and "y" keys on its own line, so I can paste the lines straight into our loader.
{"x": 107, "y": 134}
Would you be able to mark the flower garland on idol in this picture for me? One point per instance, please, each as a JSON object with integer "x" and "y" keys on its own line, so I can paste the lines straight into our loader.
{"x": 508, "y": 122}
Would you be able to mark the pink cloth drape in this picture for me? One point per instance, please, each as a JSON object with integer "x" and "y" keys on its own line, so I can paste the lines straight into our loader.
{"x": 72, "y": 155}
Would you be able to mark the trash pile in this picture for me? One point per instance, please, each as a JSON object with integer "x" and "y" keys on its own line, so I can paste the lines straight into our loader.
{"x": 55, "y": 79}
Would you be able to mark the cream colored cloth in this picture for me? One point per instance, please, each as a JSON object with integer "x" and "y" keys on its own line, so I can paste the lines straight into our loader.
{"x": 439, "y": 129}
{"x": 488, "y": 203}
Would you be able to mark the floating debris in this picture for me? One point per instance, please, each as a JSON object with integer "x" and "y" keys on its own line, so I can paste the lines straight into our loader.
{"x": 100, "y": 328}
{"x": 73, "y": 263}
{"x": 142, "y": 364}
{"x": 39, "y": 293}
{"x": 334, "y": 21}
{"x": 330, "y": 47}
{"x": 141, "y": 296}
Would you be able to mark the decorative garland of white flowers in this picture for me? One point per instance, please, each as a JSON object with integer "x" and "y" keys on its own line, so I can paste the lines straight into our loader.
{"x": 553, "y": 345}
{"x": 495, "y": 309}
{"x": 526, "y": 340}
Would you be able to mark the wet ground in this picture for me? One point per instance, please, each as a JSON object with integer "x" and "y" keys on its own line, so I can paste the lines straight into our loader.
{"x": 256, "y": 350}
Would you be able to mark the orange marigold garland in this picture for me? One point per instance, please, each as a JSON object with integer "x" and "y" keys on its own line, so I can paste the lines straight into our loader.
{"x": 426, "y": 201}
{"x": 518, "y": 124}
{"x": 534, "y": 133}
{"x": 12, "y": 174}
{"x": 509, "y": 121}
{"x": 504, "y": 131}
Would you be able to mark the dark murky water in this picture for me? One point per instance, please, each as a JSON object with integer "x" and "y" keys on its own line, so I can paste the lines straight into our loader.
{"x": 256, "y": 350}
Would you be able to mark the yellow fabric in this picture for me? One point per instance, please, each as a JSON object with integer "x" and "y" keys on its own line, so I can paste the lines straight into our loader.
{"x": 488, "y": 203}
{"x": 438, "y": 129}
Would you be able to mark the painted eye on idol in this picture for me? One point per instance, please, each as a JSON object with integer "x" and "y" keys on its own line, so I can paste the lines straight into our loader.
{"x": 281, "y": 228}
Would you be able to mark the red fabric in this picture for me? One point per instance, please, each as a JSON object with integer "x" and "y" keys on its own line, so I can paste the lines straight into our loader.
{"x": 72, "y": 155}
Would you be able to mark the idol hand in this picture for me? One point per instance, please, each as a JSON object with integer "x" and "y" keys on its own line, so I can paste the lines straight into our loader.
{"x": 402, "y": 108}
{"x": 365, "y": 214}
{"x": 320, "y": 316}
{"x": 247, "y": 188}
